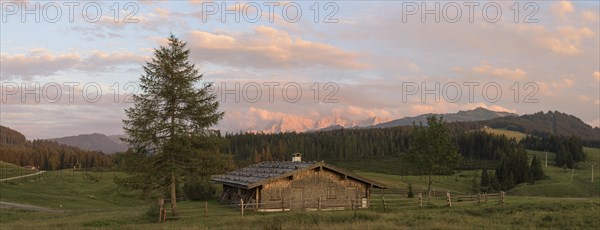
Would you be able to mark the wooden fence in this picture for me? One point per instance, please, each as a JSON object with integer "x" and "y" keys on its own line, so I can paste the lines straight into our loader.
{"x": 384, "y": 203}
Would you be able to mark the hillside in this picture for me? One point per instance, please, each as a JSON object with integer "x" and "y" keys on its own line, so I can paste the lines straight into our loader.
{"x": 94, "y": 142}
{"x": 478, "y": 114}
{"x": 46, "y": 154}
{"x": 550, "y": 123}
{"x": 508, "y": 133}
{"x": 10, "y": 136}
{"x": 8, "y": 170}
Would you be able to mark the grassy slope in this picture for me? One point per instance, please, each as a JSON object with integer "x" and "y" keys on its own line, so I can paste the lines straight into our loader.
{"x": 558, "y": 183}
{"x": 517, "y": 212}
{"x": 114, "y": 210}
{"x": 8, "y": 170}
{"x": 510, "y": 134}
{"x": 72, "y": 190}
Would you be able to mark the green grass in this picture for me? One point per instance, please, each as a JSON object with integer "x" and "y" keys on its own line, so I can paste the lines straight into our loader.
{"x": 508, "y": 133}
{"x": 391, "y": 165}
{"x": 558, "y": 182}
{"x": 94, "y": 201}
{"x": 71, "y": 189}
{"x": 8, "y": 170}
{"x": 459, "y": 182}
{"x": 517, "y": 212}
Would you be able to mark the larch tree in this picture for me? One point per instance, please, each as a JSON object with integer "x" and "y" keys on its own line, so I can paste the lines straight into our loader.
{"x": 169, "y": 126}
{"x": 432, "y": 149}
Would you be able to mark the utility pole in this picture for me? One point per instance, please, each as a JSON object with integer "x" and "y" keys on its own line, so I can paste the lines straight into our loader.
{"x": 572, "y": 172}
{"x": 546, "y": 159}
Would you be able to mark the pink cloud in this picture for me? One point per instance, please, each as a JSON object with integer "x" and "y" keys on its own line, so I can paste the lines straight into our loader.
{"x": 562, "y": 9}
{"x": 268, "y": 47}
{"x": 37, "y": 62}
{"x": 496, "y": 72}
{"x": 41, "y": 62}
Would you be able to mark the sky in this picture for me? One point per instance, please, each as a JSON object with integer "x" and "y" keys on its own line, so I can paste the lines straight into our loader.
{"x": 70, "y": 67}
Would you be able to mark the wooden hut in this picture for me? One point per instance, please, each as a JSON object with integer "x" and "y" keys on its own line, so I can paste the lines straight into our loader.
{"x": 295, "y": 185}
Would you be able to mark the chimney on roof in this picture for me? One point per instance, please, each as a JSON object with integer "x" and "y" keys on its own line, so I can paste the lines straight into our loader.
{"x": 297, "y": 157}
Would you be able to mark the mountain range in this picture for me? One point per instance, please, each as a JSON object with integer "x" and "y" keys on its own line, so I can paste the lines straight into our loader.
{"x": 478, "y": 114}
{"x": 95, "y": 142}
{"x": 300, "y": 124}
{"x": 539, "y": 124}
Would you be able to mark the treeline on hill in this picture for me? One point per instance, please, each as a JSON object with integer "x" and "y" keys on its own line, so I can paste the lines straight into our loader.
{"x": 357, "y": 144}
{"x": 549, "y": 124}
{"x": 569, "y": 150}
{"x": 47, "y": 155}
{"x": 479, "y": 149}
{"x": 344, "y": 144}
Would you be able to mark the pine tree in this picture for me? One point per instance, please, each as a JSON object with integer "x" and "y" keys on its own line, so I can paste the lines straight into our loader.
{"x": 495, "y": 183}
{"x": 411, "y": 194}
{"x": 537, "y": 172}
{"x": 485, "y": 178}
{"x": 169, "y": 125}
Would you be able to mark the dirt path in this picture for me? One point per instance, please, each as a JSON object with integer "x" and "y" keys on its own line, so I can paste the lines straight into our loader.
{"x": 17, "y": 177}
{"x": 11, "y": 205}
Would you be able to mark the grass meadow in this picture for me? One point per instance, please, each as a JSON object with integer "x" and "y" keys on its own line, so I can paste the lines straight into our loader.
{"x": 92, "y": 200}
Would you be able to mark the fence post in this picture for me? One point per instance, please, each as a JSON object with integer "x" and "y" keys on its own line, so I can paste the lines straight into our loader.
{"x": 384, "y": 204}
{"x": 161, "y": 203}
{"x": 501, "y": 197}
{"x": 420, "y": 200}
{"x": 352, "y": 204}
{"x": 449, "y": 199}
{"x": 478, "y": 198}
{"x": 242, "y": 205}
{"x": 282, "y": 207}
{"x": 319, "y": 204}
{"x": 205, "y": 208}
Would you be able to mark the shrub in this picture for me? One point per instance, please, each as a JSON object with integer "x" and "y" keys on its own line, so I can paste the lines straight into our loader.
{"x": 198, "y": 188}
{"x": 152, "y": 213}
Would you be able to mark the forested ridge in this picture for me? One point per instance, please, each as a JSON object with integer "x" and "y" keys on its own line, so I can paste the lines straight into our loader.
{"x": 552, "y": 123}
{"x": 45, "y": 154}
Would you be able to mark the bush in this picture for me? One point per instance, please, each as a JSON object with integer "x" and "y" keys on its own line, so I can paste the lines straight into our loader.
{"x": 198, "y": 188}
{"x": 152, "y": 213}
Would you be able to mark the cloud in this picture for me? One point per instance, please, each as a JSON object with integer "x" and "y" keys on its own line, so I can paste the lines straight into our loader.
{"x": 566, "y": 40}
{"x": 100, "y": 61}
{"x": 590, "y": 16}
{"x": 41, "y": 62}
{"x": 583, "y": 98}
{"x": 562, "y": 9}
{"x": 555, "y": 88}
{"x": 37, "y": 62}
{"x": 496, "y": 72}
{"x": 267, "y": 47}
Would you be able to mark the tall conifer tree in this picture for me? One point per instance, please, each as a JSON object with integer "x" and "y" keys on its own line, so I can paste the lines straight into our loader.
{"x": 169, "y": 126}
